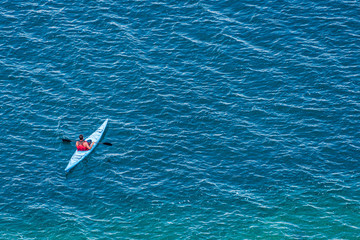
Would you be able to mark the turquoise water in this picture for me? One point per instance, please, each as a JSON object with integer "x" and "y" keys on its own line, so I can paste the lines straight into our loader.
{"x": 228, "y": 119}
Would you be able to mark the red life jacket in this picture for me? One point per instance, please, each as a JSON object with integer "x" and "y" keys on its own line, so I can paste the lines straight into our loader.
{"x": 81, "y": 147}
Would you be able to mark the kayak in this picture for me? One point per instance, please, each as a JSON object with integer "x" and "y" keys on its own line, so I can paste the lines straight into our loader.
{"x": 78, "y": 156}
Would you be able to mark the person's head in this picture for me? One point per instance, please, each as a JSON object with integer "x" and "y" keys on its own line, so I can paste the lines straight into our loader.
{"x": 81, "y": 137}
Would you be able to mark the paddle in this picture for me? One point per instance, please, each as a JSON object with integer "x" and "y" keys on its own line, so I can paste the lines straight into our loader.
{"x": 68, "y": 140}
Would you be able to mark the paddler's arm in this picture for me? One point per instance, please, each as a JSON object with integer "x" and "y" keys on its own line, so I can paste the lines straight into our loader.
{"x": 89, "y": 147}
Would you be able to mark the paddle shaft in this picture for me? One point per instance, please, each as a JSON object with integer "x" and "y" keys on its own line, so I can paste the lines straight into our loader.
{"x": 68, "y": 140}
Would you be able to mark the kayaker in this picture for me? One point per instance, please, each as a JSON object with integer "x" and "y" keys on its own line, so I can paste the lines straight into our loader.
{"x": 83, "y": 145}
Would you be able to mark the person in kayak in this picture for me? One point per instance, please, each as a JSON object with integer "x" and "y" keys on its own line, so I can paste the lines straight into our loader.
{"x": 83, "y": 145}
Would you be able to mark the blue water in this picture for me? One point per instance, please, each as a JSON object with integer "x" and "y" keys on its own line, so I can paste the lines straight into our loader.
{"x": 228, "y": 119}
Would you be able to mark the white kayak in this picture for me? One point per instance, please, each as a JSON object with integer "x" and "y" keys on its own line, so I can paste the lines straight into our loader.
{"x": 78, "y": 156}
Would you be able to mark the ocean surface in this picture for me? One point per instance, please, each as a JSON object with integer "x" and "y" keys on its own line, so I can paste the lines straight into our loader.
{"x": 228, "y": 119}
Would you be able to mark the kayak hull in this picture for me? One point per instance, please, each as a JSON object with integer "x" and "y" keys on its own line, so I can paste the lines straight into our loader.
{"x": 78, "y": 156}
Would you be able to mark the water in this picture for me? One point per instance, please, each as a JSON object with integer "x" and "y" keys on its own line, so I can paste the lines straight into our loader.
{"x": 229, "y": 119}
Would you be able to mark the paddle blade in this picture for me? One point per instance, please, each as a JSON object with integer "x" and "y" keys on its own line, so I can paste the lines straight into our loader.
{"x": 66, "y": 140}
{"x": 106, "y": 143}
